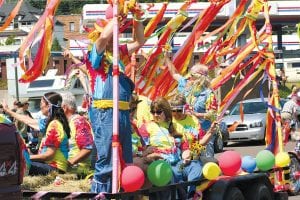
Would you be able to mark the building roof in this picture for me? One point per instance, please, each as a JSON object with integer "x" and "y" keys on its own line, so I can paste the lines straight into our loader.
{"x": 26, "y": 11}
{"x": 16, "y": 32}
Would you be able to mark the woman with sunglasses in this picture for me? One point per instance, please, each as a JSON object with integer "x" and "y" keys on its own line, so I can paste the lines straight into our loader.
{"x": 53, "y": 152}
{"x": 160, "y": 131}
{"x": 196, "y": 88}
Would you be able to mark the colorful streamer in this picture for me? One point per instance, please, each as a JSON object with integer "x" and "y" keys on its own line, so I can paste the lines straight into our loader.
{"x": 12, "y": 15}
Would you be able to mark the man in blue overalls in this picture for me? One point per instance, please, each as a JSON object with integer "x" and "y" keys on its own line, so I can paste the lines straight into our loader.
{"x": 99, "y": 68}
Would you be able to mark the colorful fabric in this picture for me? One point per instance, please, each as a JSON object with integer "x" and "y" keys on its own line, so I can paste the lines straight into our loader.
{"x": 81, "y": 138}
{"x": 136, "y": 143}
{"x": 189, "y": 128}
{"x": 143, "y": 110}
{"x": 163, "y": 142}
{"x": 203, "y": 101}
{"x": 57, "y": 138}
{"x": 4, "y": 119}
{"x": 99, "y": 67}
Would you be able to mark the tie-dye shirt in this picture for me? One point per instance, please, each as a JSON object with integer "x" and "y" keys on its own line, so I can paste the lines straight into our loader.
{"x": 81, "y": 138}
{"x": 57, "y": 138}
{"x": 189, "y": 128}
{"x": 160, "y": 138}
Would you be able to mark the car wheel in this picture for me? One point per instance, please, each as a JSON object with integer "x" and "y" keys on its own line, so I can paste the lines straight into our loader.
{"x": 258, "y": 192}
{"x": 294, "y": 180}
{"x": 234, "y": 194}
{"x": 218, "y": 143}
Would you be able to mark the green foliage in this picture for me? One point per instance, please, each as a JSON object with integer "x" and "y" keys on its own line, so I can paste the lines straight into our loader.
{"x": 10, "y": 40}
{"x": 3, "y": 84}
{"x": 56, "y": 46}
{"x": 284, "y": 91}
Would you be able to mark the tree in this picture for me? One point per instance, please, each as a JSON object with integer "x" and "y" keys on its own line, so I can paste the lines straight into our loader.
{"x": 56, "y": 46}
{"x": 10, "y": 40}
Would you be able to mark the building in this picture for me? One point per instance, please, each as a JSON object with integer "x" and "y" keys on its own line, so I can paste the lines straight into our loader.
{"x": 18, "y": 30}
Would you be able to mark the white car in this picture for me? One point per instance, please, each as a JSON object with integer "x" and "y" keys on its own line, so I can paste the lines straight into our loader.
{"x": 254, "y": 125}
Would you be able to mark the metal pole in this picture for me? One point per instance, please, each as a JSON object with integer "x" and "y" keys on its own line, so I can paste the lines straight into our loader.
{"x": 115, "y": 139}
{"x": 16, "y": 76}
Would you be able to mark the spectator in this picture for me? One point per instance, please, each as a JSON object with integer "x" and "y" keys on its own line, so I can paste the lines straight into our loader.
{"x": 81, "y": 141}
{"x": 293, "y": 91}
{"x": 289, "y": 115}
{"x": 53, "y": 152}
{"x": 21, "y": 127}
{"x": 282, "y": 77}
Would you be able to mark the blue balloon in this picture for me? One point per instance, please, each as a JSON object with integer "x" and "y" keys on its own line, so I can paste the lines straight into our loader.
{"x": 248, "y": 164}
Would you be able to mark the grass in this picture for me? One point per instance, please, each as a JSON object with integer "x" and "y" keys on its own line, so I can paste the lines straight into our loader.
{"x": 284, "y": 91}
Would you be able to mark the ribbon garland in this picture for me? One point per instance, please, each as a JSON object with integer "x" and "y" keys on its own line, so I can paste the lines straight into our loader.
{"x": 152, "y": 79}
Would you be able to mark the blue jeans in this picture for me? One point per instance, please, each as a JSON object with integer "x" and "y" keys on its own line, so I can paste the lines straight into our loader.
{"x": 38, "y": 168}
{"x": 209, "y": 148}
{"x": 188, "y": 172}
{"x": 102, "y": 124}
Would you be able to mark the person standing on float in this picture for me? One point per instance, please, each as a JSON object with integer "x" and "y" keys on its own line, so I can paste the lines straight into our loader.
{"x": 99, "y": 68}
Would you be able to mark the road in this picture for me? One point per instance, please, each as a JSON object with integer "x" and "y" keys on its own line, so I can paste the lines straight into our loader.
{"x": 252, "y": 148}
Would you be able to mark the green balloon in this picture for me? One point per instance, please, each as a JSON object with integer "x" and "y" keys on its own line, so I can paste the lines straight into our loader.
{"x": 159, "y": 173}
{"x": 265, "y": 160}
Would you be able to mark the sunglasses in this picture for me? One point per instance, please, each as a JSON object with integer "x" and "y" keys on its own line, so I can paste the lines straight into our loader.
{"x": 158, "y": 112}
{"x": 177, "y": 110}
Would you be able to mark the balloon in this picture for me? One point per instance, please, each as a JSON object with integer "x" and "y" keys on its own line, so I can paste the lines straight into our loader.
{"x": 159, "y": 173}
{"x": 132, "y": 178}
{"x": 282, "y": 159}
{"x": 248, "y": 164}
{"x": 211, "y": 170}
{"x": 265, "y": 160}
{"x": 230, "y": 162}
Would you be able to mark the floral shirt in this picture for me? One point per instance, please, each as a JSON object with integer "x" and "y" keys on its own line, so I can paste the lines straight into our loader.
{"x": 81, "y": 138}
{"x": 57, "y": 138}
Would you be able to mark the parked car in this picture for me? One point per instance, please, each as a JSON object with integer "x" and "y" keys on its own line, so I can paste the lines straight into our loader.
{"x": 254, "y": 125}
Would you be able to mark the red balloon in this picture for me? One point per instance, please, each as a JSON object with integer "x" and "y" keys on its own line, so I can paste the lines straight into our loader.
{"x": 230, "y": 162}
{"x": 132, "y": 178}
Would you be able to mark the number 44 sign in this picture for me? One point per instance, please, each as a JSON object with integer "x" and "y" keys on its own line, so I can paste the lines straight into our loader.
{"x": 8, "y": 168}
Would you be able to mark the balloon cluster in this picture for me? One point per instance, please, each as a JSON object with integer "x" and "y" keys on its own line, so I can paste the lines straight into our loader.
{"x": 159, "y": 173}
{"x": 231, "y": 163}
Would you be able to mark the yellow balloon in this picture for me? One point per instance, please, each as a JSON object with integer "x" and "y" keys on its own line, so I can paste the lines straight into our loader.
{"x": 282, "y": 159}
{"x": 211, "y": 170}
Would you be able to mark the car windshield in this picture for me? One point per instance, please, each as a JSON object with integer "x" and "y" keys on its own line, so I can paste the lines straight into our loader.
{"x": 249, "y": 108}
